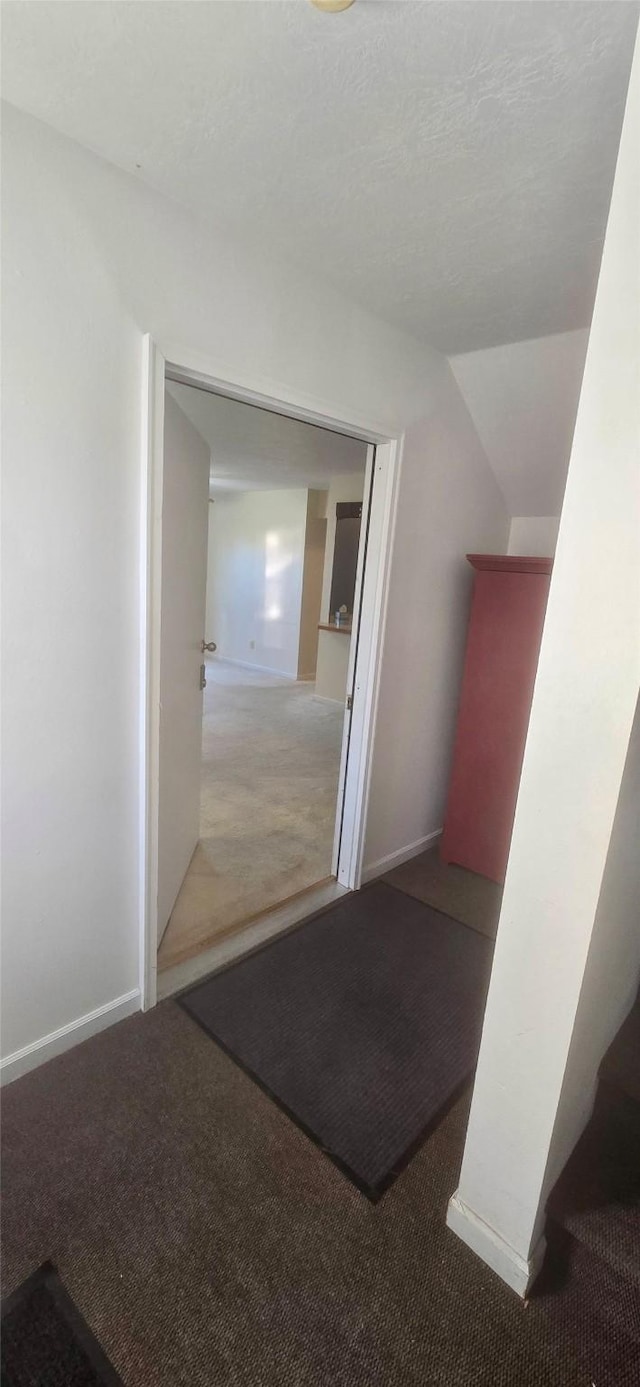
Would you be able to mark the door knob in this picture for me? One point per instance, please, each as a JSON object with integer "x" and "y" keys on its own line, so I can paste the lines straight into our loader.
{"x": 208, "y": 645}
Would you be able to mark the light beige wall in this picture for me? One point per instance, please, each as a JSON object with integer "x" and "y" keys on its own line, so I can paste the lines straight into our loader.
{"x": 312, "y": 579}
{"x": 333, "y": 664}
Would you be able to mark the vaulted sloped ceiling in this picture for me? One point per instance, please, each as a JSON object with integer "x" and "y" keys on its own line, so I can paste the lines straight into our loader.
{"x": 447, "y": 165}
{"x": 523, "y": 400}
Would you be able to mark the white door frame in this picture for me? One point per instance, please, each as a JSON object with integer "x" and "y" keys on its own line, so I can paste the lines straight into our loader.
{"x": 364, "y": 672}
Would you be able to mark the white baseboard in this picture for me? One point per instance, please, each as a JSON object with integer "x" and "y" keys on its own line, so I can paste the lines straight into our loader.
{"x": 21, "y": 1061}
{"x": 395, "y": 859}
{"x": 518, "y": 1272}
{"x": 322, "y": 698}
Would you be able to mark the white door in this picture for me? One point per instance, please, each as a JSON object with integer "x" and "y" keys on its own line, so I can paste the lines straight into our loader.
{"x": 185, "y": 521}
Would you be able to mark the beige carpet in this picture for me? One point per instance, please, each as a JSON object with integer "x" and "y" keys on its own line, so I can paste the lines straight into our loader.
{"x": 270, "y": 765}
{"x": 467, "y": 897}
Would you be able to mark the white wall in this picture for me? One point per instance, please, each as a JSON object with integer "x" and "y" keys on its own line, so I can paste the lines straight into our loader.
{"x": 534, "y": 534}
{"x": 547, "y": 985}
{"x": 254, "y": 577}
{"x": 71, "y": 487}
{"x": 449, "y": 504}
{"x": 93, "y": 260}
{"x": 212, "y": 523}
{"x": 612, "y": 972}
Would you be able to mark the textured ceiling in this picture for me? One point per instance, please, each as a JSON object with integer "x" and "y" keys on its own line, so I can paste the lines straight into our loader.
{"x": 447, "y": 165}
{"x": 523, "y": 400}
{"x": 256, "y": 450}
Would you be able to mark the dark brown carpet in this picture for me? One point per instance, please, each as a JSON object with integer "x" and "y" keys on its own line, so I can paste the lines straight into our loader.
{"x": 206, "y": 1241}
{"x": 465, "y": 896}
{"x": 364, "y": 1023}
{"x": 46, "y": 1342}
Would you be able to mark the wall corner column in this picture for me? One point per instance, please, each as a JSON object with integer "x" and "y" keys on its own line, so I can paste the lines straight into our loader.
{"x": 529, "y": 1103}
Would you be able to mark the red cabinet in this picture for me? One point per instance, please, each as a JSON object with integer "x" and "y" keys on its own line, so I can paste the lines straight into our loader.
{"x": 505, "y": 628}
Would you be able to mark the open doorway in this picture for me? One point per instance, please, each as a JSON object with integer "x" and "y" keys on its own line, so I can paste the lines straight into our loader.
{"x": 279, "y": 569}
{"x": 174, "y": 543}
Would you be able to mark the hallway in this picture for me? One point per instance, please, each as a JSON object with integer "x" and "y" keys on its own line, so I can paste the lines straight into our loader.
{"x": 270, "y": 766}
